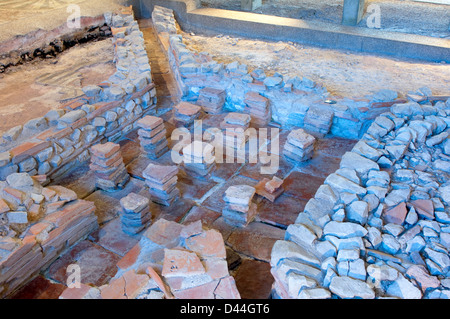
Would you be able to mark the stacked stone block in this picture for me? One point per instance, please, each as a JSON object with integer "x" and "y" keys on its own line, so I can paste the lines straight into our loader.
{"x": 270, "y": 189}
{"x": 135, "y": 214}
{"x": 152, "y": 136}
{"x": 235, "y": 120}
{"x": 162, "y": 183}
{"x": 199, "y": 158}
{"x": 299, "y": 146}
{"x": 107, "y": 164}
{"x": 212, "y": 100}
{"x": 239, "y": 209}
{"x": 258, "y": 107}
{"x": 186, "y": 113}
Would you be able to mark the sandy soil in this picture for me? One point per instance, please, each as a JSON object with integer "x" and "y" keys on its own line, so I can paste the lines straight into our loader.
{"x": 31, "y": 90}
{"x": 342, "y": 72}
{"x": 396, "y": 15}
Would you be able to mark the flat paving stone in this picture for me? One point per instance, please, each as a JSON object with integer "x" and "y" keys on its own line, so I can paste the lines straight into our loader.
{"x": 193, "y": 188}
{"x": 205, "y": 215}
{"x": 301, "y": 185}
{"x": 253, "y": 279}
{"x": 320, "y": 166}
{"x": 111, "y": 237}
{"x": 254, "y": 170}
{"x": 40, "y": 288}
{"x": 282, "y": 213}
{"x": 256, "y": 240}
{"x": 97, "y": 265}
{"x": 175, "y": 212}
{"x": 335, "y": 146}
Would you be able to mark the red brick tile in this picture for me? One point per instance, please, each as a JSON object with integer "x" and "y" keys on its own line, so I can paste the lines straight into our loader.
{"x": 301, "y": 185}
{"x": 203, "y": 214}
{"x": 39, "y": 288}
{"x": 226, "y": 289}
{"x": 111, "y": 237}
{"x": 335, "y": 146}
{"x": 253, "y": 279}
{"x": 97, "y": 265}
{"x": 208, "y": 244}
{"x": 130, "y": 257}
{"x": 256, "y": 240}
{"x": 283, "y": 212}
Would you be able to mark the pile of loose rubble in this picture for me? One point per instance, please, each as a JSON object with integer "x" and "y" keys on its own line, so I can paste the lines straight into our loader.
{"x": 170, "y": 261}
{"x": 37, "y": 225}
{"x": 380, "y": 225}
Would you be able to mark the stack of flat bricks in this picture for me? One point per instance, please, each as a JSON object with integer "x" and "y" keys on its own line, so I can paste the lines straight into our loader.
{"x": 199, "y": 158}
{"x": 162, "y": 183}
{"x": 239, "y": 209}
{"x": 186, "y": 113}
{"x": 236, "y": 120}
{"x": 152, "y": 136}
{"x": 258, "y": 107}
{"x": 270, "y": 189}
{"x": 299, "y": 146}
{"x": 107, "y": 163}
{"x": 211, "y": 100}
{"x": 135, "y": 214}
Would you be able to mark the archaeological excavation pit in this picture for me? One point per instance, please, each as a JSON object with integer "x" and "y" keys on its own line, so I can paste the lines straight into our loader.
{"x": 186, "y": 150}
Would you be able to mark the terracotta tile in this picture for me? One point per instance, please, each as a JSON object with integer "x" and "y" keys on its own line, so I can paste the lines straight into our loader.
{"x": 226, "y": 289}
{"x": 175, "y": 212}
{"x": 283, "y": 212}
{"x": 179, "y": 263}
{"x": 80, "y": 179}
{"x": 107, "y": 203}
{"x": 205, "y": 291}
{"x": 203, "y": 214}
{"x": 335, "y": 146}
{"x": 130, "y": 257}
{"x": 40, "y": 288}
{"x": 192, "y": 188}
{"x": 97, "y": 265}
{"x": 320, "y": 165}
{"x": 255, "y": 240}
{"x": 208, "y": 244}
{"x": 253, "y": 279}
{"x": 110, "y": 236}
{"x": 301, "y": 185}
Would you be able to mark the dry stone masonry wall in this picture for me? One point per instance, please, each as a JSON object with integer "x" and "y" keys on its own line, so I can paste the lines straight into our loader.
{"x": 61, "y": 139}
{"x": 380, "y": 225}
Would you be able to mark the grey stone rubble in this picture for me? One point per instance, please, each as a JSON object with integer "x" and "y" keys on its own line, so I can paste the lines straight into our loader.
{"x": 379, "y": 227}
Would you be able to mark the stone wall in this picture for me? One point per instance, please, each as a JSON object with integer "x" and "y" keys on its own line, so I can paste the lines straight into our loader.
{"x": 37, "y": 224}
{"x": 52, "y": 144}
{"x": 294, "y": 101}
{"x": 380, "y": 225}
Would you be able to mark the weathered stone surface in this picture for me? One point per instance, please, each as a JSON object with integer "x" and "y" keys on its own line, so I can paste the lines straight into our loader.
{"x": 344, "y": 229}
{"x": 348, "y": 288}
